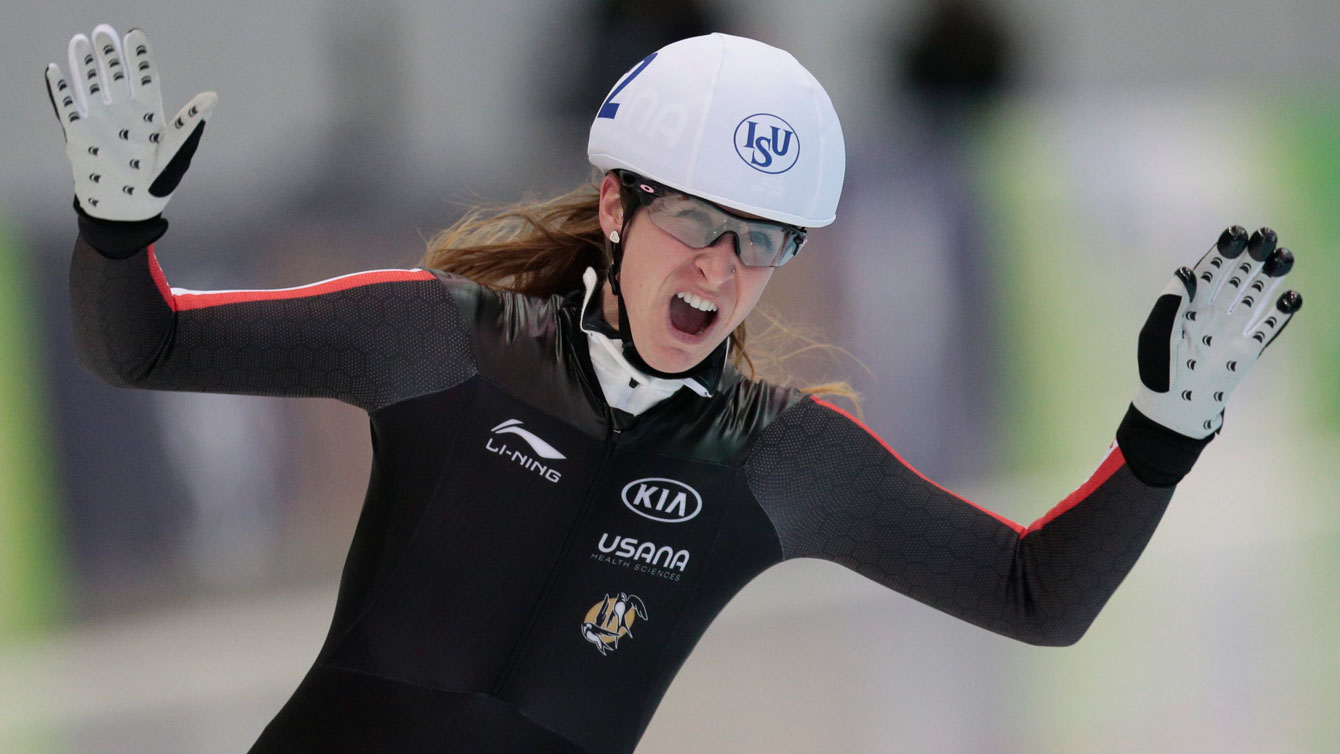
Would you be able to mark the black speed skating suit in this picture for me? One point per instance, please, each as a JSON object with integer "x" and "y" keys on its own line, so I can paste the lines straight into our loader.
{"x": 530, "y": 571}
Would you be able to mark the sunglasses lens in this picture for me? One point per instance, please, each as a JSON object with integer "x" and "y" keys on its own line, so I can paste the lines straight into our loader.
{"x": 763, "y": 247}
{"x": 691, "y": 222}
{"x": 698, "y": 224}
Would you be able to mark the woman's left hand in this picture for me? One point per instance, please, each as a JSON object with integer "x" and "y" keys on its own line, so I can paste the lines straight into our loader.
{"x": 127, "y": 157}
{"x": 1209, "y": 327}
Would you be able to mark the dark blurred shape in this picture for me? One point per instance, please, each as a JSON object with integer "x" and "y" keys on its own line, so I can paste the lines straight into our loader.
{"x": 617, "y": 35}
{"x": 919, "y": 247}
{"x": 959, "y": 52}
{"x": 363, "y": 134}
{"x": 122, "y": 515}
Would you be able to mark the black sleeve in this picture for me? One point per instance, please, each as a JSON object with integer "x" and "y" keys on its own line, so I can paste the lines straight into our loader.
{"x": 835, "y": 490}
{"x": 370, "y": 339}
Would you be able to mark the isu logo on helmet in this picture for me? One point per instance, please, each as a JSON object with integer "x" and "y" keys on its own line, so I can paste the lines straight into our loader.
{"x": 767, "y": 143}
{"x": 611, "y": 619}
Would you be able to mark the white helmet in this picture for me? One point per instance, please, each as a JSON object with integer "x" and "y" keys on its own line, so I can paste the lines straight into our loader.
{"x": 732, "y": 120}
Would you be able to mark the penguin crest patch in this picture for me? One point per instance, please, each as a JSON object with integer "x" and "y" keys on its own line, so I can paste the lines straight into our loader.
{"x": 612, "y": 619}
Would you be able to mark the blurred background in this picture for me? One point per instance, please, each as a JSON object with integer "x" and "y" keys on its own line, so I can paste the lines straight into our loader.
{"x": 1023, "y": 177}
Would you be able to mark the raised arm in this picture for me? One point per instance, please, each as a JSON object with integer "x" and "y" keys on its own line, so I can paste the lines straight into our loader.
{"x": 834, "y": 490}
{"x": 369, "y": 339}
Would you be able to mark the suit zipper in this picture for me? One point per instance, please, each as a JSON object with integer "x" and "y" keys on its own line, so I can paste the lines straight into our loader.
{"x": 611, "y": 443}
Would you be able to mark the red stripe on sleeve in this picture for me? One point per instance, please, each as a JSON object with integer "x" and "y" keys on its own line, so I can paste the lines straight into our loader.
{"x": 201, "y": 299}
{"x": 160, "y": 280}
{"x": 1018, "y": 528}
{"x": 1106, "y": 469}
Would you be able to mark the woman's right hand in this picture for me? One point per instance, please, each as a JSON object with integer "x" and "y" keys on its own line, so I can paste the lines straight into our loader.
{"x": 127, "y": 159}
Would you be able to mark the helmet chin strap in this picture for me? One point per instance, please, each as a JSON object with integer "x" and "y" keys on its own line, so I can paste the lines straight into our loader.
{"x": 625, "y": 328}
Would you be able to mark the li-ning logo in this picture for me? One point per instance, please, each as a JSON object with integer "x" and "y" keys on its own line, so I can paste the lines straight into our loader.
{"x": 611, "y": 619}
{"x": 664, "y": 500}
{"x": 538, "y": 447}
{"x": 767, "y": 143}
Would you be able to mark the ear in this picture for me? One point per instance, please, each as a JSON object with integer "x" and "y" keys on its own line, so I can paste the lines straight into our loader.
{"x": 611, "y": 204}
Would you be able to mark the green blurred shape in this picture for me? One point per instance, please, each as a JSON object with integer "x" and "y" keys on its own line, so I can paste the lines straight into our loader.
{"x": 1308, "y": 141}
{"x": 1307, "y": 145}
{"x": 1063, "y": 355}
{"x": 32, "y": 573}
{"x": 1066, "y": 378}
{"x": 26, "y": 739}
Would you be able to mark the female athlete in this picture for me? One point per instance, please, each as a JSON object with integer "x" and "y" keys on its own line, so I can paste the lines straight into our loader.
{"x": 572, "y": 472}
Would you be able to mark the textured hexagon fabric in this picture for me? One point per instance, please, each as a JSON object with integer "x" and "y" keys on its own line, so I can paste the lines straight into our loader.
{"x": 834, "y": 490}
{"x": 369, "y": 339}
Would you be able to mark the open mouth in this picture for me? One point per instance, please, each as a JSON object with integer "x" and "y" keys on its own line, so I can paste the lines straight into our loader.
{"x": 690, "y": 314}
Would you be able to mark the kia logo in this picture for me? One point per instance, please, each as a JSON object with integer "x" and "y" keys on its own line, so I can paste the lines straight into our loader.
{"x": 663, "y": 500}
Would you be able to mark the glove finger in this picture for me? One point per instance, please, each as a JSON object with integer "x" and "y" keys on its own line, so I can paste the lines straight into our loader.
{"x": 84, "y": 74}
{"x": 1209, "y": 271}
{"x": 1259, "y": 248}
{"x": 1277, "y": 319}
{"x": 62, "y": 98}
{"x": 1257, "y": 294}
{"x": 180, "y": 142}
{"x": 111, "y": 63}
{"x": 143, "y": 74}
{"x": 179, "y": 129}
{"x": 1162, "y": 337}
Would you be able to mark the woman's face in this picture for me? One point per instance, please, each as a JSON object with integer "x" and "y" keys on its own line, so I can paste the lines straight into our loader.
{"x": 668, "y": 285}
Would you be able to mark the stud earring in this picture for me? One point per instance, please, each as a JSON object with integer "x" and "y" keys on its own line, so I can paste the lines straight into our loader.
{"x": 614, "y": 236}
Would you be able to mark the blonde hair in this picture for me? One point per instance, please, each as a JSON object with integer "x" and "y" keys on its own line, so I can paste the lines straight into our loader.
{"x": 540, "y": 247}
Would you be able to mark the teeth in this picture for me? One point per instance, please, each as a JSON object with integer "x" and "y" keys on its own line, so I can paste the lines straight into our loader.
{"x": 701, "y": 305}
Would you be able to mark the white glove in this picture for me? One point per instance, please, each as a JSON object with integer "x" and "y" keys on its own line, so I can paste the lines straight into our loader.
{"x": 127, "y": 159}
{"x": 1209, "y": 327}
